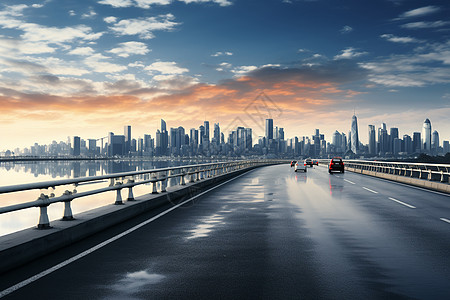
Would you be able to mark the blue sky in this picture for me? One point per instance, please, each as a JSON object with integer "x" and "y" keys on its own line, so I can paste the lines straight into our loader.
{"x": 88, "y": 67}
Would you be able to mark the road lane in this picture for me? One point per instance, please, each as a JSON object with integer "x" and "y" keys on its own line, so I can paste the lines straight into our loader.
{"x": 272, "y": 233}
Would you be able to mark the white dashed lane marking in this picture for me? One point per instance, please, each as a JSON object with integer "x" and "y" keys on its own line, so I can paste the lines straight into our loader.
{"x": 372, "y": 191}
{"x": 402, "y": 203}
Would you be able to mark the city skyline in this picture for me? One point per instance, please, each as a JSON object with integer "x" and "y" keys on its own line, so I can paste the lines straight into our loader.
{"x": 178, "y": 141}
{"x": 75, "y": 68}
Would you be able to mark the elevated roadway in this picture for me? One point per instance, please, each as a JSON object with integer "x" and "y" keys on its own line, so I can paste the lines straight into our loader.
{"x": 269, "y": 234}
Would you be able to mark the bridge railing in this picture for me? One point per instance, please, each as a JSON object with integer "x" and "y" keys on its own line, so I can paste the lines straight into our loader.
{"x": 119, "y": 181}
{"x": 431, "y": 172}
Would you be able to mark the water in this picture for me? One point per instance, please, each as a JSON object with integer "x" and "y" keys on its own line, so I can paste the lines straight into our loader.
{"x": 12, "y": 173}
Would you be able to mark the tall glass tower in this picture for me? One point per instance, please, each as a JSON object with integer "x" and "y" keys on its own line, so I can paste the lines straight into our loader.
{"x": 372, "y": 140}
{"x": 354, "y": 135}
{"x": 269, "y": 129}
{"x": 426, "y": 136}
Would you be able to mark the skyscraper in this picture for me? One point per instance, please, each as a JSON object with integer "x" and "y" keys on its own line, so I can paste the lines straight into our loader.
{"x": 206, "y": 124}
{"x": 217, "y": 133}
{"x": 127, "y": 134}
{"x": 269, "y": 129}
{"x": 372, "y": 141}
{"x": 426, "y": 136}
{"x": 76, "y": 145}
{"x": 435, "y": 142}
{"x": 164, "y": 138}
{"x": 417, "y": 141}
{"x": 354, "y": 135}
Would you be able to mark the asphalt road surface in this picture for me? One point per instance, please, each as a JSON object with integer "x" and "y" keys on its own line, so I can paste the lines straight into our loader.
{"x": 269, "y": 234}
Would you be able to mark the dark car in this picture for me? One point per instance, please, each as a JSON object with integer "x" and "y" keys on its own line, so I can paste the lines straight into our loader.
{"x": 293, "y": 163}
{"x": 336, "y": 164}
{"x": 308, "y": 162}
{"x": 315, "y": 162}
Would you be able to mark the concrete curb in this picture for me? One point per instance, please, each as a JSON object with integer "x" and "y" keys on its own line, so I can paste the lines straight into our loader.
{"x": 21, "y": 247}
{"x": 431, "y": 185}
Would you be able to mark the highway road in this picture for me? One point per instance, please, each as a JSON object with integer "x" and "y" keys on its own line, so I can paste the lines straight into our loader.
{"x": 269, "y": 234}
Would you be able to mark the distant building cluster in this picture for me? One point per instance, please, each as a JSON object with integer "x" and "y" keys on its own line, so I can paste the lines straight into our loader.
{"x": 239, "y": 142}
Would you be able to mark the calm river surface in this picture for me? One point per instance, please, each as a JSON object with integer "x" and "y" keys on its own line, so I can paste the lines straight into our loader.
{"x": 12, "y": 173}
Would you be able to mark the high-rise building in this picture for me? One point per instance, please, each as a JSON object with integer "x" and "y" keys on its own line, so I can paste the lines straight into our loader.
{"x": 416, "y": 143}
{"x": 269, "y": 130}
{"x": 372, "y": 140}
{"x": 76, "y": 146}
{"x": 407, "y": 144}
{"x": 426, "y": 136}
{"x": 446, "y": 146}
{"x": 435, "y": 142}
{"x": 193, "y": 137}
{"x": 354, "y": 135}
{"x": 164, "y": 138}
{"x": 217, "y": 134}
{"x": 202, "y": 134}
{"x": 127, "y": 134}
{"x": 206, "y": 124}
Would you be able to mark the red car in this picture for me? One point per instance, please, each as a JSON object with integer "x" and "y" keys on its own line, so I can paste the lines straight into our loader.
{"x": 336, "y": 164}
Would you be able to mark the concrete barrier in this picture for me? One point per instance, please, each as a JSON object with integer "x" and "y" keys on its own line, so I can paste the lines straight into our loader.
{"x": 21, "y": 247}
{"x": 431, "y": 185}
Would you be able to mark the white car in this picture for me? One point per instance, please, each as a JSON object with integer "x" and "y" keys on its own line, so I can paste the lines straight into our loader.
{"x": 299, "y": 166}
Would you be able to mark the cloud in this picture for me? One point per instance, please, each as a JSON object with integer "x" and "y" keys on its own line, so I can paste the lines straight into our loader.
{"x": 85, "y": 51}
{"x": 130, "y": 48}
{"x": 349, "y": 53}
{"x": 426, "y": 66}
{"x": 96, "y": 63}
{"x": 418, "y": 12}
{"x": 421, "y": 25}
{"x": 117, "y": 3}
{"x": 241, "y": 70}
{"x": 346, "y": 29}
{"x": 144, "y": 27}
{"x": 146, "y": 4}
{"x": 91, "y": 14}
{"x": 166, "y": 68}
{"x": 110, "y": 19}
{"x": 223, "y": 66}
{"x": 220, "y": 53}
{"x": 220, "y": 2}
{"x": 398, "y": 39}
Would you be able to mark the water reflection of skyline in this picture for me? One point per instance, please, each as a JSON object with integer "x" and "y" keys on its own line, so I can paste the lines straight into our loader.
{"x": 12, "y": 173}
{"x": 75, "y": 169}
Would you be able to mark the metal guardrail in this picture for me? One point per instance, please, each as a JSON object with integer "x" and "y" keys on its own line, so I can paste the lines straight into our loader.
{"x": 431, "y": 172}
{"x": 119, "y": 181}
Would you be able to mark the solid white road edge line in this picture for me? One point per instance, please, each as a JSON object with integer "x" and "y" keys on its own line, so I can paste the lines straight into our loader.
{"x": 445, "y": 220}
{"x": 372, "y": 191}
{"x": 101, "y": 245}
{"x": 402, "y": 203}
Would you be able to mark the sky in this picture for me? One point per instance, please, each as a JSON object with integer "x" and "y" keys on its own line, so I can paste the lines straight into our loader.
{"x": 87, "y": 68}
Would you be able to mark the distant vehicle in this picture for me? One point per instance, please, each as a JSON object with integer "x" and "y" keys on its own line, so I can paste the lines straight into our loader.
{"x": 300, "y": 167}
{"x": 308, "y": 162}
{"x": 315, "y": 162}
{"x": 336, "y": 164}
{"x": 293, "y": 163}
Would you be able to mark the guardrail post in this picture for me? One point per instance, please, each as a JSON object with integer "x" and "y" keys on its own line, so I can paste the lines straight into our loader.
{"x": 130, "y": 191}
{"x": 154, "y": 182}
{"x": 191, "y": 180}
{"x": 197, "y": 174}
{"x": 67, "y": 209}
{"x": 163, "y": 181}
{"x": 44, "y": 222}
{"x": 118, "y": 196}
{"x": 182, "y": 177}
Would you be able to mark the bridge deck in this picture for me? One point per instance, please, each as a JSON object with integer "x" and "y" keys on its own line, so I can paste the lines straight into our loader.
{"x": 271, "y": 233}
